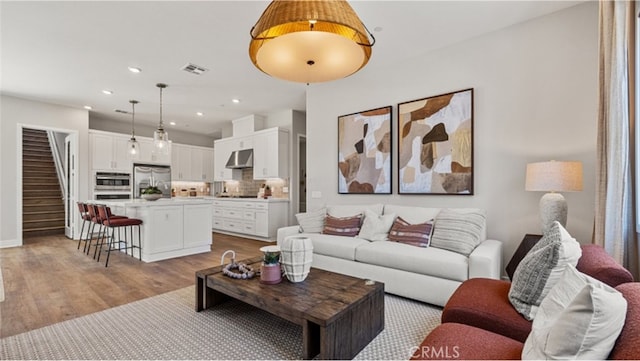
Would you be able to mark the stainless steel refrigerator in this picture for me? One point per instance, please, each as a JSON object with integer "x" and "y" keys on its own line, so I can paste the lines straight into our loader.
{"x": 146, "y": 175}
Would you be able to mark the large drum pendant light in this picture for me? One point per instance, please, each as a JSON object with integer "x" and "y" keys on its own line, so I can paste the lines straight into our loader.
{"x": 160, "y": 136}
{"x": 310, "y": 41}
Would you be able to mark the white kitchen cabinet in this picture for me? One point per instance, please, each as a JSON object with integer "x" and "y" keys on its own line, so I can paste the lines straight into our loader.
{"x": 271, "y": 154}
{"x": 191, "y": 163}
{"x": 148, "y": 156}
{"x": 181, "y": 162}
{"x": 109, "y": 152}
{"x": 221, "y": 151}
{"x": 207, "y": 164}
{"x": 195, "y": 217}
{"x": 250, "y": 217}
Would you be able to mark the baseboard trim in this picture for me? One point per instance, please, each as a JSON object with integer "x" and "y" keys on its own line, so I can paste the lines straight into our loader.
{"x": 10, "y": 243}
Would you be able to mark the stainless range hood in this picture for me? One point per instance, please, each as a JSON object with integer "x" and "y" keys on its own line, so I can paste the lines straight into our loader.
{"x": 240, "y": 159}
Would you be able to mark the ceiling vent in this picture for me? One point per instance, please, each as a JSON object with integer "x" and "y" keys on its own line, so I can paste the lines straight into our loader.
{"x": 121, "y": 111}
{"x": 194, "y": 69}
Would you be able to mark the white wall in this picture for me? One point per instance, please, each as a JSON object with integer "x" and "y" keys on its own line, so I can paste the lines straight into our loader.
{"x": 535, "y": 89}
{"x": 15, "y": 112}
{"x": 142, "y": 130}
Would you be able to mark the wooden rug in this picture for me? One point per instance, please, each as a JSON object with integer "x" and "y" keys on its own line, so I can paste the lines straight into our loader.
{"x": 167, "y": 327}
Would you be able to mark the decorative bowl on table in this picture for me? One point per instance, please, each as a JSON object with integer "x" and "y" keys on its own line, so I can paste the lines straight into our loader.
{"x": 151, "y": 196}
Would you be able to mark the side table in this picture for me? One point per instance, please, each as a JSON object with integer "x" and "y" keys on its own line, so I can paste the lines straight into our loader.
{"x": 527, "y": 243}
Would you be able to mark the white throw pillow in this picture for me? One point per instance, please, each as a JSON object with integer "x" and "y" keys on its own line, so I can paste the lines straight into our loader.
{"x": 313, "y": 221}
{"x": 374, "y": 227}
{"x": 580, "y": 318}
{"x": 541, "y": 269}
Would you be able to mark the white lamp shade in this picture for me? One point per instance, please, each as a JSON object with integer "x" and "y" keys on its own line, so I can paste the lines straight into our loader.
{"x": 554, "y": 176}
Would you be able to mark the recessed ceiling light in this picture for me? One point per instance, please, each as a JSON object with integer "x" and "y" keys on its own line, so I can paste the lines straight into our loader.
{"x": 134, "y": 69}
{"x": 199, "y": 114}
{"x": 108, "y": 92}
{"x": 88, "y": 107}
{"x": 235, "y": 100}
{"x": 172, "y": 123}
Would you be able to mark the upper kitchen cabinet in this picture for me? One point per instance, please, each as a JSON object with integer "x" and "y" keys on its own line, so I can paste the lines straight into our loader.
{"x": 190, "y": 163}
{"x": 109, "y": 152}
{"x": 148, "y": 156}
{"x": 221, "y": 151}
{"x": 271, "y": 154}
{"x": 180, "y": 162}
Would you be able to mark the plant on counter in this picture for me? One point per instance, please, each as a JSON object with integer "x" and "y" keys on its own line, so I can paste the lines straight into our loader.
{"x": 151, "y": 190}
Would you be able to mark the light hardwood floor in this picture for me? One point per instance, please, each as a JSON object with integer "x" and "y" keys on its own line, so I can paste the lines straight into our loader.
{"x": 48, "y": 280}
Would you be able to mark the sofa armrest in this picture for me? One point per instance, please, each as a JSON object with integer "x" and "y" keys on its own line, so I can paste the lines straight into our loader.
{"x": 486, "y": 260}
{"x": 285, "y": 232}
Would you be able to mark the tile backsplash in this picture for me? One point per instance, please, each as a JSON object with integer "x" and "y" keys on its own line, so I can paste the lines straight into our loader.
{"x": 250, "y": 187}
{"x": 182, "y": 188}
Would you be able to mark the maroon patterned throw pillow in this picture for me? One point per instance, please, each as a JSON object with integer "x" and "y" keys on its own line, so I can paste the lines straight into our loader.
{"x": 345, "y": 226}
{"x": 418, "y": 235}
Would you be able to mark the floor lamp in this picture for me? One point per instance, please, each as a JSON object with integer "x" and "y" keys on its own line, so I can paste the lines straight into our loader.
{"x": 553, "y": 177}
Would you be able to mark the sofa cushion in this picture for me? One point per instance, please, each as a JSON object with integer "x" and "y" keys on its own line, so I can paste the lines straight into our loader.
{"x": 335, "y": 246}
{"x": 376, "y": 227}
{"x": 454, "y": 341}
{"x": 428, "y": 261}
{"x": 627, "y": 345}
{"x": 412, "y": 215}
{"x": 458, "y": 231}
{"x": 352, "y": 210}
{"x": 312, "y": 221}
{"x": 541, "y": 269}
{"x": 484, "y": 303}
{"x": 343, "y": 226}
{"x": 412, "y": 234}
{"x": 580, "y": 318}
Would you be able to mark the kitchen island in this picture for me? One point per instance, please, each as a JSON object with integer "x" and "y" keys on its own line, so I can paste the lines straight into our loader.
{"x": 170, "y": 228}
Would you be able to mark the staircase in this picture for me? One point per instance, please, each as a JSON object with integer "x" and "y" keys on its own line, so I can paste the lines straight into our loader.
{"x": 42, "y": 203}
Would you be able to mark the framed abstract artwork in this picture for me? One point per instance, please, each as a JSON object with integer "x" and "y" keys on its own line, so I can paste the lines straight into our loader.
{"x": 364, "y": 152}
{"x": 435, "y": 144}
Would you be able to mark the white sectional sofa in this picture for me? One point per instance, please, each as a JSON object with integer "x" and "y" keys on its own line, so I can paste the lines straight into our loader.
{"x": 428, "y": 274}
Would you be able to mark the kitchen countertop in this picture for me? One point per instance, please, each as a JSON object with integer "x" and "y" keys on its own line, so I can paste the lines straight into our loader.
{"x": 254, "y": 199}
{"x": 178, "y": 201}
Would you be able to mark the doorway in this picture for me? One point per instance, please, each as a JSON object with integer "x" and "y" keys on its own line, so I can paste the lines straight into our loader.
{"x": 302, "y": 169}
{"x": 47, "y": 182}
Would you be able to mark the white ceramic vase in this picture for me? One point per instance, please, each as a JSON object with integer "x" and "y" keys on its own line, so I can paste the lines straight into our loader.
{"x": 296, "y": 257}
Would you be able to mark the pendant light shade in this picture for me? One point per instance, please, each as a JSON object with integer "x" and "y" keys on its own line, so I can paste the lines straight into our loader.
{"x": 310, "y": 41}
{"x": 133, "y": 147}
{"x": 160, "y": 136}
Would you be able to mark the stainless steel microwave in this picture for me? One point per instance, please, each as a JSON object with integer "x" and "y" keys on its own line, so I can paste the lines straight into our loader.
{"x": 107, "y": 181}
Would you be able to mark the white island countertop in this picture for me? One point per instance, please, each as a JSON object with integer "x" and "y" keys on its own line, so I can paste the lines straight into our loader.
{"x": 176, "y": 201}
{"x": 256, "y": 199}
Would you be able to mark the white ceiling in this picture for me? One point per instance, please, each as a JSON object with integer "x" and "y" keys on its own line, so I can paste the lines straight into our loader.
{"x": 68, "y": 52}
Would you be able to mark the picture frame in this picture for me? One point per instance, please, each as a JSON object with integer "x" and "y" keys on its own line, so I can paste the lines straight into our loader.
{"x": 435, "y": 145}
{"x": 365, "y": 152}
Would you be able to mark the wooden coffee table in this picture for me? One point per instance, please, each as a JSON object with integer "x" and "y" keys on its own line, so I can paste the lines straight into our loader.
{"x": 339, "y": 314}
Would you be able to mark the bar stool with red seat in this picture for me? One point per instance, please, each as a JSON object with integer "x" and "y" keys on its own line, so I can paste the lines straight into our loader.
{"x": 96, "y": 219}
{"x": 84, "y": 214}
{"x": 113, "y": 223}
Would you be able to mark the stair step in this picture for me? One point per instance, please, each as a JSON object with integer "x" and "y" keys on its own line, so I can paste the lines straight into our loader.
{"x": 44, "y": 207}
{"x": 42, "y": 216}
{"x": 43, "y": 231}
{"x": 44, "y": 156}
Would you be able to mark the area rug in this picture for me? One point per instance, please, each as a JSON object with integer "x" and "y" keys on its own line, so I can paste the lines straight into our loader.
{"x": 166, "y": 327}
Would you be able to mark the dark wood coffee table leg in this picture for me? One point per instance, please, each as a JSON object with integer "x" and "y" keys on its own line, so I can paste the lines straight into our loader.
{"x": 201, "y": 284}
{"x": 347, "y": 335}
{"x": 310, "y": 340}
